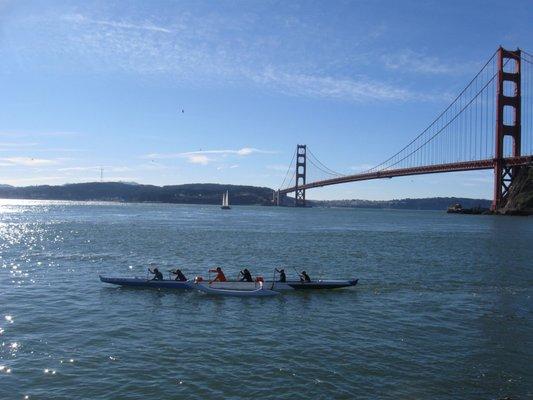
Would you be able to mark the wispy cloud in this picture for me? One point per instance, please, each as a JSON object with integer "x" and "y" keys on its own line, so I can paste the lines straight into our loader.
{"x": 357, "y": 90}
{"x": 408, "y": 60}
{"x": 28, "y": 161}
{"x": 202, "y": 156}
{"x": 81, "y": 19}
{"x": 278, "y": 167}
{"x": 40, "y": 180}
{"x": 112, "y": 168}
{"x": 223, "y": 167}
{"x": 68, "y": 169}
{"x": 360, "y": 167}
{"x": 189, "y": 48}
{"x": 16, "y": 145}
{"x": 15, "y": 134}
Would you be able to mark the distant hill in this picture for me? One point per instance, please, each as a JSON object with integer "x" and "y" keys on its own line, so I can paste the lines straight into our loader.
{"x": 209, "y": 193}
{"x": 432, "y": 203}
{"x": 196, "y": 193}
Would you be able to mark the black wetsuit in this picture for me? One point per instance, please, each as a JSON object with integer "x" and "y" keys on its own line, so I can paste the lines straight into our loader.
{"x": 180, "y": 276}
{"x": 246, "y": 276}
{"x": 305, "y": 278}
{"x": 158, "y": 275}
{"x": 282, "y": 276}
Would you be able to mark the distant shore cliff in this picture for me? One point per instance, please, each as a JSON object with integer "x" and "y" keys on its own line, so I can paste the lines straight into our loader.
{"x": 520, "y": 194}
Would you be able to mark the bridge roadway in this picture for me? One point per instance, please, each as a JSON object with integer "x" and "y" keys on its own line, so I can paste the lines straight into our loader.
{"x": 429, "y": 169}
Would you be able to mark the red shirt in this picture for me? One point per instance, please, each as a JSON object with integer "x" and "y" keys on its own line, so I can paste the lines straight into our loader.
{"x": 220, "y": 276}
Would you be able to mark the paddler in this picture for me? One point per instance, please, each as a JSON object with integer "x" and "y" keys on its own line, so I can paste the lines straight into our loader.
{"x": 246, "y": 276}
{"x": 282, "y": 276}
{"x": 220, "y": 275}
{"x": 304, "y": 277}
{"x": 179, "y": 275}
{"x": 158, "y": 276}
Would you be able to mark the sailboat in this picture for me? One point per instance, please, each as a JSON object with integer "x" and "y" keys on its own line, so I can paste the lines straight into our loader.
{"x": 225, "y": 201}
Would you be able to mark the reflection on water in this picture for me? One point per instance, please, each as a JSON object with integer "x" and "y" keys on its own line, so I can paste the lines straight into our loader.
{"x": 442, "y": 309}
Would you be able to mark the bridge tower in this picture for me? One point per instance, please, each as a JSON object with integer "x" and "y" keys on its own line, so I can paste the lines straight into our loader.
{"x": 301, "y": 158}
{"x": 510, "y": 99}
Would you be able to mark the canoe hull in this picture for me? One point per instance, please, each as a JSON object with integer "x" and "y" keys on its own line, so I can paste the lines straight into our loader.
{"x": 253, "y": 292}
{"x": 147, "y": 283}
{"x": 313, "y": 285}
{"x": 286, "y": 286}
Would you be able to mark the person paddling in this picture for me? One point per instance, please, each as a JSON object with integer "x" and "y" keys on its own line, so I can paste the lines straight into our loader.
{"x": 158, "y": 276}
{"x": 220, "y": 275}
{"x": 304, "y": 277}
{"x": 179, "y": 275}
{"x": 246, "y": 276}
{"x": 282, "y": 276}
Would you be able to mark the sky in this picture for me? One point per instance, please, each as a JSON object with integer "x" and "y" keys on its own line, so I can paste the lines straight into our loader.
{"x": 172, "y": 92}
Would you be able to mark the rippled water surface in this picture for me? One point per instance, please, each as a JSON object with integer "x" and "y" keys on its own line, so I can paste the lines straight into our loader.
{"x": 443, "y": 309}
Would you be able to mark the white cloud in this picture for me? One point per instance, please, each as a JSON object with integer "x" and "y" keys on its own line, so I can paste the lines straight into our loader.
{"x": 246, "y": 151}
{"x": 196, "y": 157}
{"x": 28, "y": 161}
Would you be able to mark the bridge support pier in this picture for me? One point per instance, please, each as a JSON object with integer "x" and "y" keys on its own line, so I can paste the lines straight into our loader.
{"x": 276, "y": 197}
{"x": 504, "y": 174}
{"x": 301, "y": 158}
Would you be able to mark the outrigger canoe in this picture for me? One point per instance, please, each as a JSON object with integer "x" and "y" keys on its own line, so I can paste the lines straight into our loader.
{"x": 230, "y": 285}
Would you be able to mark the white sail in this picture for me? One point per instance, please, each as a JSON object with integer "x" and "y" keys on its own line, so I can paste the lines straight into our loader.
{"x": 225, "y": 201}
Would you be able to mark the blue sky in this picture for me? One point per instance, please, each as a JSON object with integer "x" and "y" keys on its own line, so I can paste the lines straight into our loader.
{"x": 91, "y": 84}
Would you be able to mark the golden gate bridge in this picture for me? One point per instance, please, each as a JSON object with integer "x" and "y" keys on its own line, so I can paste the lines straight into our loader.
{"x": 489, "y": 125}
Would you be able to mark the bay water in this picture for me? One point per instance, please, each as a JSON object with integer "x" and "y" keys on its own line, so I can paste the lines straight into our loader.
{"x": 443, "y": 308}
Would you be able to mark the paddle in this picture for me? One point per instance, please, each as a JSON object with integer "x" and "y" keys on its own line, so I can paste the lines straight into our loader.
{"x": 297, "y": 273}
{"x": 273, "y": 279}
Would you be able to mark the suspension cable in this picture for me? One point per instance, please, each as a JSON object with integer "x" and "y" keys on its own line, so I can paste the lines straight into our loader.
{"x": 332, "y": 172}
{"x": 438, "y": 117}
{"x": 288, "y": 170}
{"x": 320, "y": 169}
{"x": 451, "y": 120}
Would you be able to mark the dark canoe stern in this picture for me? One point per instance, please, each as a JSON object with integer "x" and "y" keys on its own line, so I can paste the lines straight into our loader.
{"x": 322, "y": 285}
{"x": 146, "y": 283}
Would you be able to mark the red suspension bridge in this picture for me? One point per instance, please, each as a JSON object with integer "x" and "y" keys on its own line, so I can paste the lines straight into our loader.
{"x": 489, "y": 125}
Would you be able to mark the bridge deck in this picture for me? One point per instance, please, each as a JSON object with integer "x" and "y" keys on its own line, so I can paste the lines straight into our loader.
{"x": 430, "y": 169}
